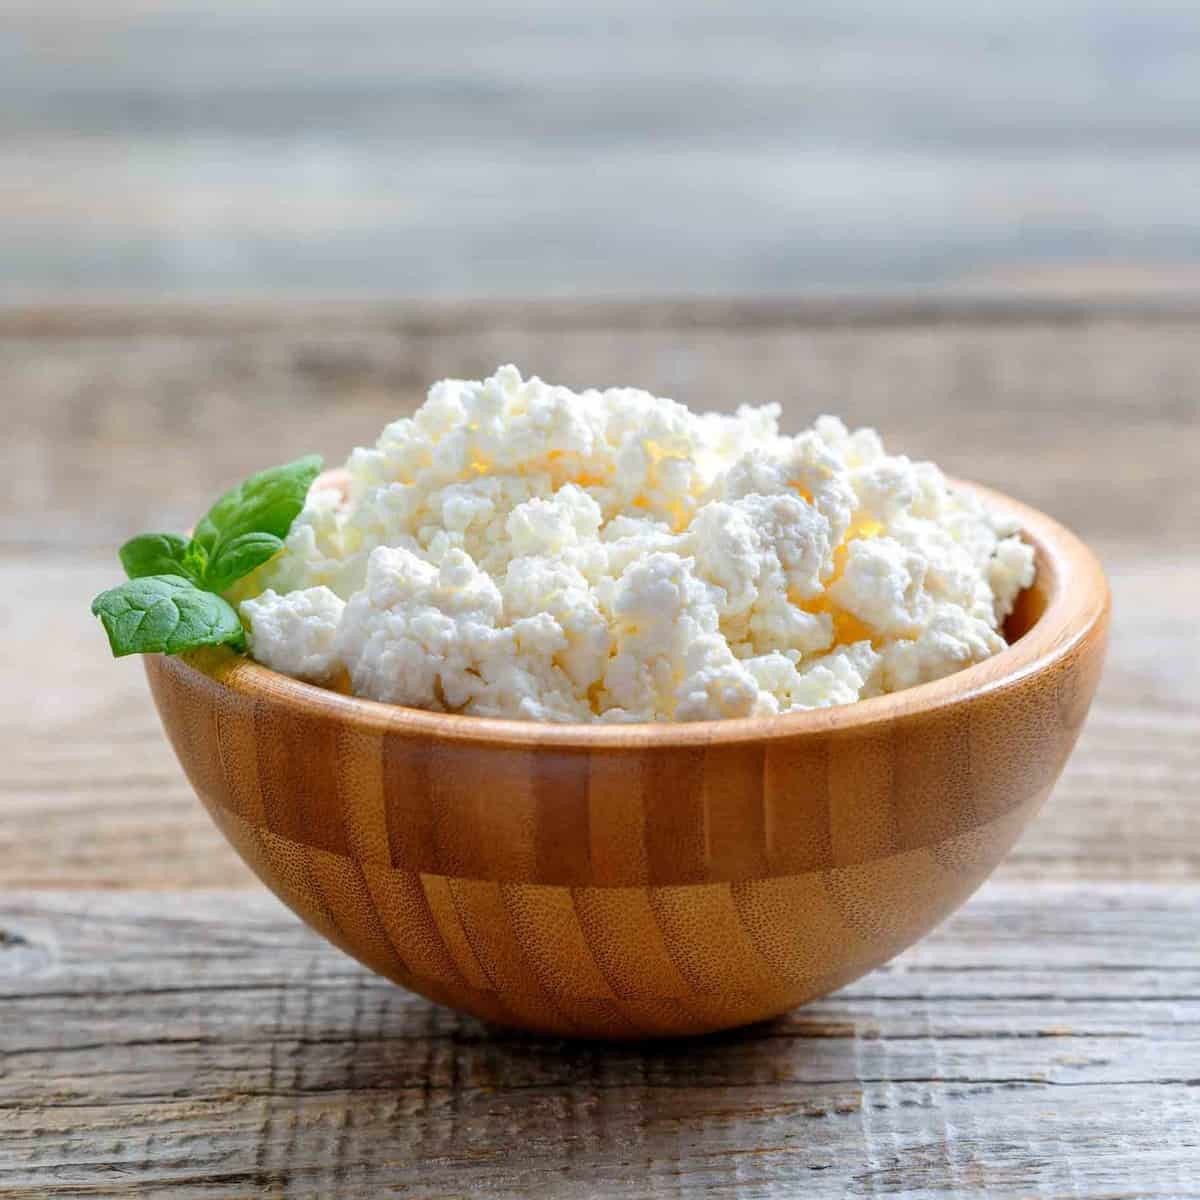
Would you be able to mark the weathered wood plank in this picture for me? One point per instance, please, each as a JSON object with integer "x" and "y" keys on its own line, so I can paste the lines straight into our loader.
{"x": 91, "y": 795}
{"x": 1045, "y": 1042}
{"x": 118, "y": 423}
{"x": 121, "y": 419}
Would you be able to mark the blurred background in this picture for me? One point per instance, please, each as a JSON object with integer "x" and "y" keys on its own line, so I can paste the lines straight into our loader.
{"x": 540, "y": 148}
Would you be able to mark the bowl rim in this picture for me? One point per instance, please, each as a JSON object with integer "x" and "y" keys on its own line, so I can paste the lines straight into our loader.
{"x": 1078, "y": 601}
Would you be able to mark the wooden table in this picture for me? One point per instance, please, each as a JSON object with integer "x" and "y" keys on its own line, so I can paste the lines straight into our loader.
{"x": 166, "y": 1026}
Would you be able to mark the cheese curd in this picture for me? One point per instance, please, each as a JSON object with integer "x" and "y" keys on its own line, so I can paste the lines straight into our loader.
{"x": 516, "y": 549}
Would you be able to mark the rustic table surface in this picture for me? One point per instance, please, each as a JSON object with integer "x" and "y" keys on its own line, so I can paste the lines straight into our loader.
{"x": 167, "y": 1027}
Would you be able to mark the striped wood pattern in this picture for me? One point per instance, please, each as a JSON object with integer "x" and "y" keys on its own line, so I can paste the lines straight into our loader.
{"x": 625, "y": 881}
{"x": 162, "y": 1038}
{"x": 1042, "y": 1044}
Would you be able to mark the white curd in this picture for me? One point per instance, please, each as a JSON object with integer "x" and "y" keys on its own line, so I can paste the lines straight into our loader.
{"x": 516, "y": 549}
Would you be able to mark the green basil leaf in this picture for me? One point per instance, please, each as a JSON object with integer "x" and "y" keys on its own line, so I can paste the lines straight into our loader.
{"x": 239, "y": 557}
{"x": 172, "y": 600}
{"x": 265, "y": 503}
{"x": 154, "y": 554}
{"x": 195, "y": 562}
{"x": 167, "y": 614}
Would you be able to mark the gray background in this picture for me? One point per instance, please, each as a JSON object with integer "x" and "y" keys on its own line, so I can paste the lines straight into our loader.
{"x": 542, "y": 147}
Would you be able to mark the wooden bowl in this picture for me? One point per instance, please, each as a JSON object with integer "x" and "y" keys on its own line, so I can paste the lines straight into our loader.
{"x": 641, "y": 880}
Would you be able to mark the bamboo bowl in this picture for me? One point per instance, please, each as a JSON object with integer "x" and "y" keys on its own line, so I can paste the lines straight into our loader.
{"x": 645, "y": 880}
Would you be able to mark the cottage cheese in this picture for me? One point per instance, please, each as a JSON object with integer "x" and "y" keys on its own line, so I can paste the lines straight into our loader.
{"x": 516, "y": 549}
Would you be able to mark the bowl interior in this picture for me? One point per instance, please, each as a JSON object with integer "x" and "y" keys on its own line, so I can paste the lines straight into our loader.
{"x": 1032, "y": 602}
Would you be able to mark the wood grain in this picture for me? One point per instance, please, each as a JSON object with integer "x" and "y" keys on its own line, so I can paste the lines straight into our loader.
{"x": 1089, "y": 412}
{"x": 93, "y": 796}
{"x": 1083, "y": 990}
{"x": 747, "y": 897}
{"x": 205, "y": 1043}
{"x": 1083, "y": 411}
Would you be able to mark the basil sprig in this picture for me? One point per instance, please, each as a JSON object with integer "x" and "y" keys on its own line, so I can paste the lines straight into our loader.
{"x": 172, "y": 599}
